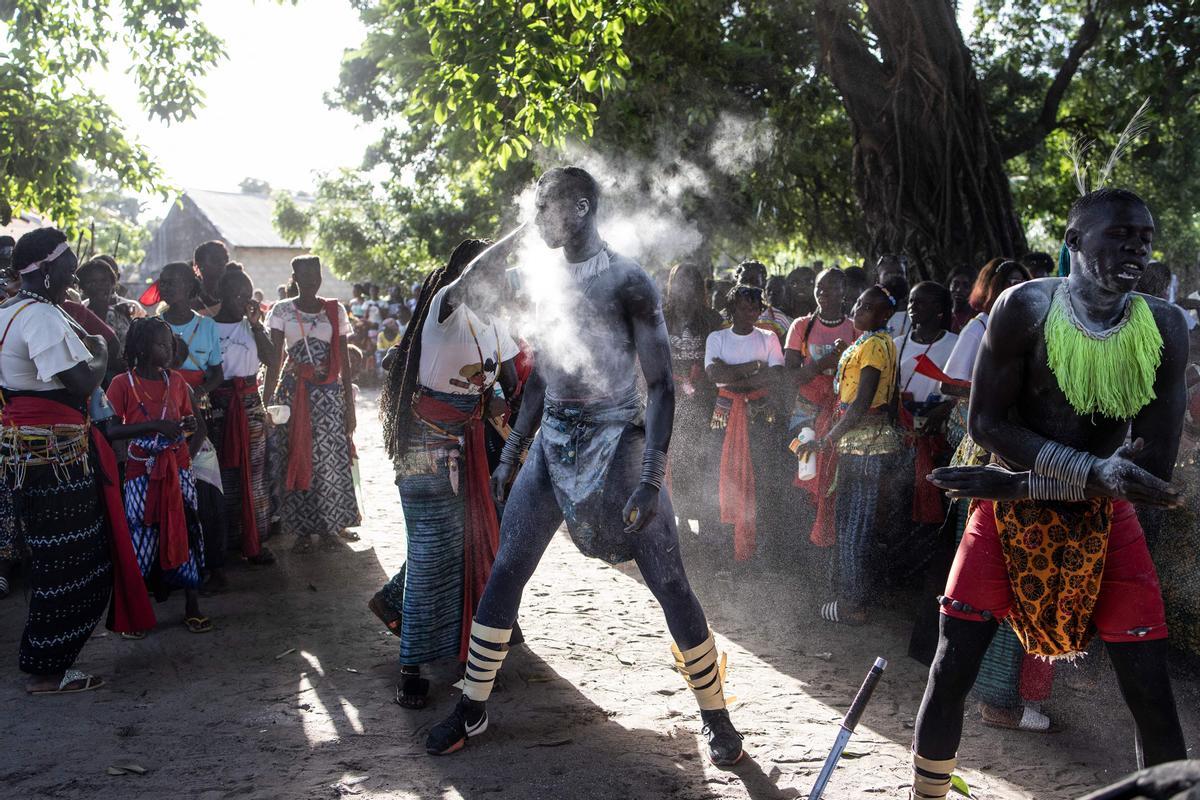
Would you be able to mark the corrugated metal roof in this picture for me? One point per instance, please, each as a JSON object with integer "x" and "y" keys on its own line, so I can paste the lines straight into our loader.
{"x": 244, "y": 220}
{"x": 23, "y": 224}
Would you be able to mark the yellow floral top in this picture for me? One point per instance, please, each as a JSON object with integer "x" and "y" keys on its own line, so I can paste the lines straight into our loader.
{"x": 875, "y": 350}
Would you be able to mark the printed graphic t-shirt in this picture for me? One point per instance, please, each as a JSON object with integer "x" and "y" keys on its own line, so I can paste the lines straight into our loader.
{"x": 463, "y": 354}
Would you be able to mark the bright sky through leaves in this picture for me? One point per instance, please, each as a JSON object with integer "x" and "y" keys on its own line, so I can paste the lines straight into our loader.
{"x": 264, "y": 116}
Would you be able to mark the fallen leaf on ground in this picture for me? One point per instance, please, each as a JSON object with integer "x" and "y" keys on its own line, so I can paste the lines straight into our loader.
{"x": 136, "y": 769}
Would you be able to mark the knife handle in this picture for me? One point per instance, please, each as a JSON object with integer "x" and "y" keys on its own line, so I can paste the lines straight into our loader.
{"x": 864, "y": 694}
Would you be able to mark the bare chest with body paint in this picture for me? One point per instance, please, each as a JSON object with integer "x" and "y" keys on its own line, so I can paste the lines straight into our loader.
{"x": 1041, "y": 405}
{"x": 593, "y": 353}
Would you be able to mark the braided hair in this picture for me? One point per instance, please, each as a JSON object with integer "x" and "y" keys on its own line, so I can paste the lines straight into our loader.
{"x": 400, "y": 386}
{"x": 139, "y": 338}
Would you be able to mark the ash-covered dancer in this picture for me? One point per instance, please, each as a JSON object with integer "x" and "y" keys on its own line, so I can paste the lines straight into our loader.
{"x": 598, "y": 462}
{"x": 1068, "y": 370}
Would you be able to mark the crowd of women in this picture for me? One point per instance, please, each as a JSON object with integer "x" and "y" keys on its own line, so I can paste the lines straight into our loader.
{"x": 139, "y": 452}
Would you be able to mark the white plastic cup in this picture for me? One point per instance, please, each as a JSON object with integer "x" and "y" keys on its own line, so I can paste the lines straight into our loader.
{"x": 807, "y": 469}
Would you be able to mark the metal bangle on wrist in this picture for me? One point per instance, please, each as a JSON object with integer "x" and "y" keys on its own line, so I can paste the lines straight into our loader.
{"x": 654, "y": 468}
{"x": 1060, "y": 473}
{"x": 514, "y": 447}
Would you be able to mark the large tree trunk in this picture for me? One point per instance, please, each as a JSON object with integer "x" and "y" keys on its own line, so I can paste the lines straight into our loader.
{"x": 927, "y": 168}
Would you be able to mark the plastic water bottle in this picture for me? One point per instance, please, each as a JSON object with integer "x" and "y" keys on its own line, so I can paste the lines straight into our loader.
{"x": 807, "y": 469}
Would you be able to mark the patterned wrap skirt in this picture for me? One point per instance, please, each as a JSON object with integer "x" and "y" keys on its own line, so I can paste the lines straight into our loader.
{"x": 431, "y": 479}
{"x": 146, "y": 537}
{"x": 70, "y": 573}
{"x": 231, "y": 477}
{"x": 330, "y": 505}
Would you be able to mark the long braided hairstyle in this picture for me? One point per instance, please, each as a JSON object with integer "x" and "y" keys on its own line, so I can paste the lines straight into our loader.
{"x": 395, "y": 402}
{"x": 140, "y": 337}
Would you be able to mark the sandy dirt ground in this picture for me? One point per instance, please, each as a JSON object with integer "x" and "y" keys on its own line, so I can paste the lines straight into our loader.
{"x": 291, "y": 696}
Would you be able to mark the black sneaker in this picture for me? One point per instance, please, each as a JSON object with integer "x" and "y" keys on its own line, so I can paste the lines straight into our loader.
{"x": 449, "y": 736}
{"x": 724, "y": 742}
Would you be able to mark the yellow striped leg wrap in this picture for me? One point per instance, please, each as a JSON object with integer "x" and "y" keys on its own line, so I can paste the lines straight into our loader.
{"x": 486, "y": 654}
{"x": 931, "y": 779}
{"x": 700, "y": 668}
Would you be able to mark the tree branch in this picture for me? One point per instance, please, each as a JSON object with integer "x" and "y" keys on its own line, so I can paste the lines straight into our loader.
{"x": 855, "y": 71}
{"x": 1047, "y": 121}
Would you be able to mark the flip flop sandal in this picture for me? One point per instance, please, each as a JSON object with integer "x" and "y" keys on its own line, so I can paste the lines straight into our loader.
{"x": 387, "y": 615}
{"x": 69, "y": 677}
{"x": 303, "y": 545}
{"x": 412, "y": 693}
{"x": 349, "y": 535}
{"x": 1032, "y": 721}
{"x": 830, "y": 613}
{"x": 135, "y": 636}
{"x": 198, "y": 624}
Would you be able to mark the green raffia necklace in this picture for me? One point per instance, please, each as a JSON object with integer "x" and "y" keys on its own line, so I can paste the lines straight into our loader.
{"x": 1109, "y": 372}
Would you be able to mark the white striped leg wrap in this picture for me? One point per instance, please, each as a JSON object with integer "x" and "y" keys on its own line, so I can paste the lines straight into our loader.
{"x": 931, "y": 779}
{"x": 485, "y": 656}
{"x": 701, "y": 669}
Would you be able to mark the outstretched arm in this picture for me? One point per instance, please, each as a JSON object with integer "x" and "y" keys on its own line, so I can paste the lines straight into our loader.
{"x": 1131, "y": 472}
{"x": 483, "y": 266}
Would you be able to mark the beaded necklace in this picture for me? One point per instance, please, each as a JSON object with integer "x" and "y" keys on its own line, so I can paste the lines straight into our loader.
{"x": 138, "y": 396}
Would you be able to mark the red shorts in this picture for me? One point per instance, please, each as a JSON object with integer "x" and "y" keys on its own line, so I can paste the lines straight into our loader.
{"x": 1130, "y": 606}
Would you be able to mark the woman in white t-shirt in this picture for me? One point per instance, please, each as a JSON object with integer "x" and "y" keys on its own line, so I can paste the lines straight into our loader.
{"x": 746, "y": 364}
{"x": 921, "y": 508}
{"x": 441, "y": 387}
{"x": 239, "y": 422}
{"x": 315, "y": 443}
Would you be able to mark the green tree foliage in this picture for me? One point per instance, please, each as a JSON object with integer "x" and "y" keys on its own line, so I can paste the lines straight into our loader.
{"x": 1127, "y": 52}
{"x": 479, "y": 96}
{"x": 54, "y": 129}
{"x": 109, "y": 221}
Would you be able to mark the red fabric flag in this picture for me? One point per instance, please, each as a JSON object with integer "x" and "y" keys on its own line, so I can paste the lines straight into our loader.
{"x": 926, "y": 367}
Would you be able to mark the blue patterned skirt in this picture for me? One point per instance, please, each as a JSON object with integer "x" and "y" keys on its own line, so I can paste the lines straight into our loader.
{"x": 146, "y": 537}
{"x": 434, "y": 523}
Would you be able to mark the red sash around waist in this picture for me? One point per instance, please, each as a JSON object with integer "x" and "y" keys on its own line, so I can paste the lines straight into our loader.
{"x": 481, "y": 535}
{"x": 130, "y": 609}
{"x": 824, "y": 529}
{"x": 193, "y": 377}
{"x": 235, "y": 454}
{"x": 300, "y": 461}
{"x": 736, "y": 490}
{"x": 927, "y": 506}
{"x": 164, "y": 508}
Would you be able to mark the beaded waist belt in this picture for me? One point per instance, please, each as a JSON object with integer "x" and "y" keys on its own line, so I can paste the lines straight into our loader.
{"x": 57, "y": 446}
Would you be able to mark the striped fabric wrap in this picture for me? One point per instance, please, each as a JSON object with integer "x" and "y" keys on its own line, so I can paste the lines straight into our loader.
{"x": 435, "y": 526}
